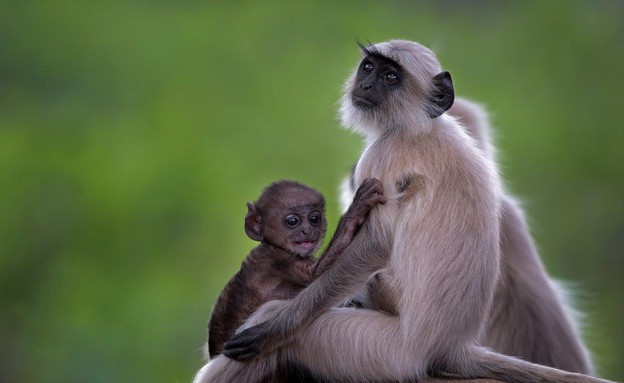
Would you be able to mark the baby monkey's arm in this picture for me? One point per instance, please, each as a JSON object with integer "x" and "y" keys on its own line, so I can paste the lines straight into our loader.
{"x": 369, "y": 194}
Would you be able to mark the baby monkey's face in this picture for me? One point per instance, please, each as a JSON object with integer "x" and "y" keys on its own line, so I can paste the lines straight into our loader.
{"x": 298, "y": 229}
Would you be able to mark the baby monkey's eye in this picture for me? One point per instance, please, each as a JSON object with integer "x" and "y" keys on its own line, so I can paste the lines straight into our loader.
{"x": 315, "y": 218}
{"x": 291, "y": 220}
{"x": 367, "y": 67}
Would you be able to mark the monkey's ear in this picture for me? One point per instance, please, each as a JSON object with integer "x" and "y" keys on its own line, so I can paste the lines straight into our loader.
{"x": 253, "y": 222}
{"x": 443, "y": 94}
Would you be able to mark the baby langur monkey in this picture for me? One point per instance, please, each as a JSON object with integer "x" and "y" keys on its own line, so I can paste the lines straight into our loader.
{"x": 289, "y": 222}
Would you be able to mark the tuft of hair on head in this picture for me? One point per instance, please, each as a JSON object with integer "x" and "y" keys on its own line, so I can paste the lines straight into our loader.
{"x": 372, "y": 50}
{"x": 368, "y": 49}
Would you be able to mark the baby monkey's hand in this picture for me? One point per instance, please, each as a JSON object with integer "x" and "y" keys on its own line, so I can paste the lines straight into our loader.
{"x": 369, "y": 194}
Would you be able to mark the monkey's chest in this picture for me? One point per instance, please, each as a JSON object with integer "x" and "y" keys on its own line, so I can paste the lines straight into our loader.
{"x": 280, "y": 290}
{"x": 400, "y": 174}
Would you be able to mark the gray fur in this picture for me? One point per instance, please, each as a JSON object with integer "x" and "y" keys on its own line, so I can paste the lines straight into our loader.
{"x": 528, "y": 318}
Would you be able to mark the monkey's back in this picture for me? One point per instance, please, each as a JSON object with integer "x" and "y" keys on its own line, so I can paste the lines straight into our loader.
{"x": 257, "y": 282}
{"x": 528, "y": 318}
{"x": 228, "y": 314}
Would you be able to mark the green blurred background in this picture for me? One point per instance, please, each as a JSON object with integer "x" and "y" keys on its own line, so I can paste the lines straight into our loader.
{"x": 132, "y": 133}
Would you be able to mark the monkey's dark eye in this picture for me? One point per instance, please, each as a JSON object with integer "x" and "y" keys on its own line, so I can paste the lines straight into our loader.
{"x": 315, "y": 218}
{"x": 291, "y": 220}
{"x": 391, "y": 78}
{"x": 367, "y": 67}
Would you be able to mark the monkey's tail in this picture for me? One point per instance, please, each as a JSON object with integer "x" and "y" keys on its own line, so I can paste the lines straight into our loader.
{"x": 488, "y": 364}
{"x": 224, "y": 370}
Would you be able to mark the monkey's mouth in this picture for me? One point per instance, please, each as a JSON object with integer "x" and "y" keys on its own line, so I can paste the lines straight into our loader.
{"x": 305, "y": 247}
{"x": 306, "y": 244}
{"x": 362, "y": 102}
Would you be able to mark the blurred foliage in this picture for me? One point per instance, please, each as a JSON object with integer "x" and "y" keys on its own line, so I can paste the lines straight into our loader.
{"x": 132, "y": 133}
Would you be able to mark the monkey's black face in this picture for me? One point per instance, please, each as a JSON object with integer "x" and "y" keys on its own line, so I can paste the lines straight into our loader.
{"x": 377, "y": 77}
{"x": 299, "y": 230}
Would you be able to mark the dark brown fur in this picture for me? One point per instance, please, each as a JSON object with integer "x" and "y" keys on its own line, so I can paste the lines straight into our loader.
{"x": 275, "y": 270}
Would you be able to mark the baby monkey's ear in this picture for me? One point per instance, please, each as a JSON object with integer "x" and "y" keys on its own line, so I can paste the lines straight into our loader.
{"x": 253, "y": 222}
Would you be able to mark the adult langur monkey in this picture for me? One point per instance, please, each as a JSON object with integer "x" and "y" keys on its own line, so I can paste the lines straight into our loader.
{"x": 529, "y": 317}
{"x": 434, "y": 246}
